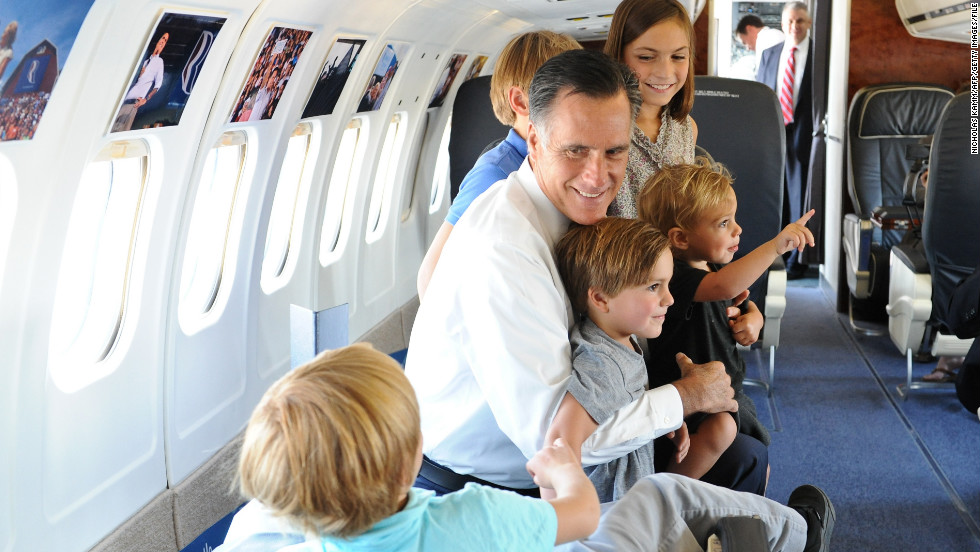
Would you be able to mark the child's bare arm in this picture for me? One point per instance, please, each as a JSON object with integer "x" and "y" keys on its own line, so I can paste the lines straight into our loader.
{"x": 576, "y": 503}
{"x": 573, "y": 424}
{"x": 739, "y": 275}
{"x": 746, "y": 326}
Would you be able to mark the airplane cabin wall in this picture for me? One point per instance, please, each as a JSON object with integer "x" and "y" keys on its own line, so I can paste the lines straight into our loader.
{"x": 81, "y": 459}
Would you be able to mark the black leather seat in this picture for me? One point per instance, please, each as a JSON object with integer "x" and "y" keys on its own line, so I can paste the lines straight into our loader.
{"x": 950, "y": 242}
{"x": 740, "y": 125}
{"x": 475, "y": 129}
{"x": 883, "y": 121}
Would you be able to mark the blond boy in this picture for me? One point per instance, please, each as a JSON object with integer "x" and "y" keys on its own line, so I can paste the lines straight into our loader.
{"x": 330, "y": 455}
{"x": 512, "y": 74}
{"x": 695, "y": 206}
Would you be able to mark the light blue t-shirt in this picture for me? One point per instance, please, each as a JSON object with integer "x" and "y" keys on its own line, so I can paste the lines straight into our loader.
{"x": 476, "y": 518}
{"x": 493, "y": 166}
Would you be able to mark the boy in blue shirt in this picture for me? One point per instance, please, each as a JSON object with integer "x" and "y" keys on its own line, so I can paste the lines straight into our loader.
{"x": 330, "y": 455}
{"x": 512, "y": 74}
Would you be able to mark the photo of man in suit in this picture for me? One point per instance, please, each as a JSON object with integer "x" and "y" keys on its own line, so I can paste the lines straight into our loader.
{"x": 787, "y": 68}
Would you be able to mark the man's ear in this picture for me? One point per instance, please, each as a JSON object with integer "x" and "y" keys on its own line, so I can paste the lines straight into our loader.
{"x": 678, "y": 238}
{"x": 533, "y": 142}
{"x": 598, "y": 300}
{"x": 518, "y": 101}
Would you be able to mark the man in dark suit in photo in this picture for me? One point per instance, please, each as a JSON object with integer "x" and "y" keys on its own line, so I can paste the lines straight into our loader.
{"x": 787, "y": 69}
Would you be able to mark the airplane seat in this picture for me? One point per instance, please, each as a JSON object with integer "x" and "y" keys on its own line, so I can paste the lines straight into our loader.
{"x": 741, "y": 126}
{"x": 475, "y": 129}
{"x": 885, "y": 123}
{"x": 919, "y": 292}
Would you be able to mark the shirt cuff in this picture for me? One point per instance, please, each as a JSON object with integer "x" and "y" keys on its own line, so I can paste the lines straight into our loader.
{"x": 658, "y": 412}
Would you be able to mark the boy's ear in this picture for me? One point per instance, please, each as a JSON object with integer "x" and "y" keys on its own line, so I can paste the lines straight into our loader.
{"x": 598, "y": 300}
{"x": 678, "y": 238}
{"x": 518, "y": 101}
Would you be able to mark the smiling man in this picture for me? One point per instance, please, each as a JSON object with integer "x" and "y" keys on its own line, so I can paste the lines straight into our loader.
{"x": 489, "y": 355}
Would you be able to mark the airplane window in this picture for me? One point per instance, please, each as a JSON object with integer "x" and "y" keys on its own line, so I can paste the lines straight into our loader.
{"x": 408, "y": 197}
{"x": 343, "y": 173}
{"x": 384, "y": 179}
{"x": 288, "y": 207}
{"x": 441, "y": 176}
{"x": 90, "y": 298}
{"x": 8, "y": 206}
{"x": 210, "y": 226}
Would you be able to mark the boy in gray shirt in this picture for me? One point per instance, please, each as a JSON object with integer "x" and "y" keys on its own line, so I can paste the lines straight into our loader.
{"x": 616, "y": 273}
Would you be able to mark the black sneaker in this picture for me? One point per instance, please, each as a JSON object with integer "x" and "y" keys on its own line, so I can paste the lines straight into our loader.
{"x": 816, "y": 509}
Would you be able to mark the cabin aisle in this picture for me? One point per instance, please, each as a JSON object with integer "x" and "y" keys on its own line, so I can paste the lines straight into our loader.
{"x": 902, "y": 475}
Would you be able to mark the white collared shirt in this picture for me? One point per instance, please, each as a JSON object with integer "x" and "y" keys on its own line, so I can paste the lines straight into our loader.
{"x": 767, "y": 38}
{"x": 489, "y": 356}
{"x": 802, "y": 50}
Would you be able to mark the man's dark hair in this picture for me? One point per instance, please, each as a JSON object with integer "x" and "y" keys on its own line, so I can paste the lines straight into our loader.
{"x": 750, "y": 19}
{"x": 588, "y": 72}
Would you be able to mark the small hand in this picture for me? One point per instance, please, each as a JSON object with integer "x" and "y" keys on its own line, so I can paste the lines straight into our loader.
{"x": 682, "y": 440}
{"x": 544, "y": 464}
{"x": 796, "y": 235}
{"x": 745, "y": 328}
{"x": 733, "y": 311}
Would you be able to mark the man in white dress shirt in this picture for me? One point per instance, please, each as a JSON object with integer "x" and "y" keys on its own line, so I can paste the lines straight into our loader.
{"x": 757, "y": 37}
{"x": 147, "y": 84}
{"x": 489, "y": 354}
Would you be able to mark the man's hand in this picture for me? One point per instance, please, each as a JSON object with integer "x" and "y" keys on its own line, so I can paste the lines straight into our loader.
{"x": 704, "y": 387}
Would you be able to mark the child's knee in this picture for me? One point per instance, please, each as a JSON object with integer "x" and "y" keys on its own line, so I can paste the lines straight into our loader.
{"x": 722, "y": 427}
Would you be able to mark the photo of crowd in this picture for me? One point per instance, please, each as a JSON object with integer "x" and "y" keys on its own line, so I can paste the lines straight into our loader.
{"x": 166, "y": 72}
{"x": 384, "y": 72}
{"x": 476, "y": 67}
{"x": 42, "y": 42}
{"x": 446, "y": 80}
{"x": 340, "y": 62}
{"x": 270, "y": 74}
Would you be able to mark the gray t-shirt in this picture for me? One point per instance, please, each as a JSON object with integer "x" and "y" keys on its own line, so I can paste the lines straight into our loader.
{"x": 606, "y": 376}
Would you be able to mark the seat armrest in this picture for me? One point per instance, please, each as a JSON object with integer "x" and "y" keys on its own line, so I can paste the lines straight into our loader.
{"x": 912, "y": 257}
{"x": 856, "y": 240}
{"x": 775, "y": 303}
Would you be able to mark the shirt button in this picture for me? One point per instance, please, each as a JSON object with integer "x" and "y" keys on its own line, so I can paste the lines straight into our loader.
{"x": 666, "y": 419}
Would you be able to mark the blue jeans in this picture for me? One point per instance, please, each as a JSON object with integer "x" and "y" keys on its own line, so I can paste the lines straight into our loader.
{"x": 674, "y": 513}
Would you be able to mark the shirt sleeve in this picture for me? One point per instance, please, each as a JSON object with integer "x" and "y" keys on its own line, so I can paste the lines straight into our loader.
{"x": 597, "y": 383}
{"x": 656, "y": 413}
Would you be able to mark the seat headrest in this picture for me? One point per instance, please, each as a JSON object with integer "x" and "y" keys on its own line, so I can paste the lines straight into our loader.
{"x": 901, "y": 111}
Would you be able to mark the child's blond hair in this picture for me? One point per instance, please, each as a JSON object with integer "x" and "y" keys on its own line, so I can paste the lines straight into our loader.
{"x": 330, "y": 444}
{"x": 678, "y": 196}
{"x": 517, "y": 62}
{"x": 610, "y": 255}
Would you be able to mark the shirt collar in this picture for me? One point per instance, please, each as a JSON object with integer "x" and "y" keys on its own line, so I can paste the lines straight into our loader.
{"x": 514, "y": 139}
{"x": 554, "y": 223}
